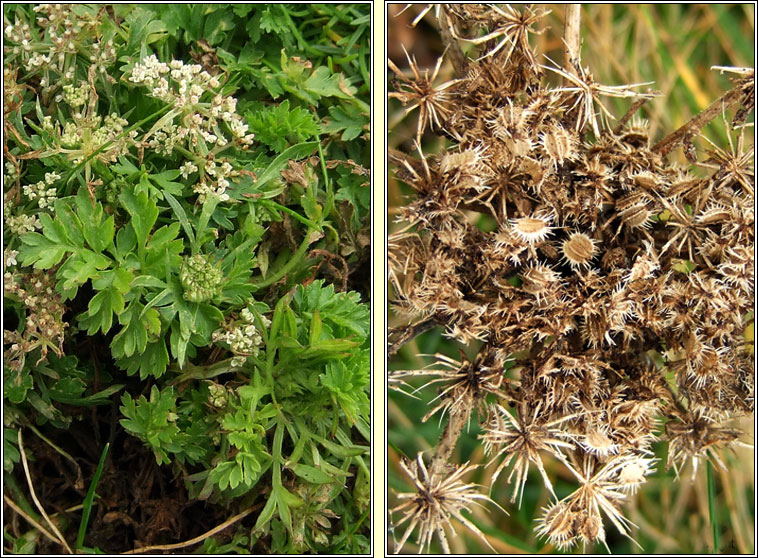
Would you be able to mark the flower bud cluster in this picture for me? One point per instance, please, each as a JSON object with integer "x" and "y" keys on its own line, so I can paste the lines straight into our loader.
{"x": 217, "y": 395}
{"x": 200, "y": 278}
{"x": 76, "y": 96}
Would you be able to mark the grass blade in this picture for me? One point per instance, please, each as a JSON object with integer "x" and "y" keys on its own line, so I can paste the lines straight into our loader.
{"x": 712, "y": 512}
{"x": 90, "y": 498}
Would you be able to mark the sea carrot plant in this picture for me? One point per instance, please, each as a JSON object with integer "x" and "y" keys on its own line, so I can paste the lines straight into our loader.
{"x": 186, "y": 248}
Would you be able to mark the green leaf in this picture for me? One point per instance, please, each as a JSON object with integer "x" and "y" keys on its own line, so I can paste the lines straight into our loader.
{"x": 277, "y": 126}
{"x": 16, "y": 384}
{"x": 41, "y": 252}
{"x": 315, "y": 329}
{"x": 152, "y": 362}
{"x": 326, "y": 84}
{"x": 153, "y": 422}
{"x": 349, "y": 120}
{"x": 311, "y": 474}
{"x": 11, "y": 455}
{"x": 299, "y": 151}
{"x": 165, "y": 180}
{"x": 82, "y": 267}
{"x": 97, "y": 232}
{"x": 342, "y": 314}
{"x": 113, "y": 285}
{"x": 181, "y": 215}
{"x": 143, "y": 212}
{"x": 133, "y": 336}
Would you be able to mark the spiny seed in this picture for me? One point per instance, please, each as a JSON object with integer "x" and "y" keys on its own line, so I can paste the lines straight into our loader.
{"x": 578, "y": 250}
{"x": 531, "y": 229}
{"x": 684, "y": 187}
{"x": 559, "y": 144}
{"x": 713, "y": 215}
{"x": 629, "y": 200}
{"x": 454, "y": 161}
{"x": 509, "y": 120}
{"x": 538, "y": 279}
{"x": 598, "y": 442}
{"x": 636, "y": 216}
{"x": 646, "y": 179}
{"x": 632, "y": 473}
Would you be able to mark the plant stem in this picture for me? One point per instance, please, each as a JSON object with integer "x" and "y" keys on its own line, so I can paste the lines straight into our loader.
{"x": 452, "y": 48}
{"x": 712, "y": 511}
{"x": 572, "y": 36}
{"x": 459, "y": 417}
{"x": 698, "y": 122}
{"x": 90, "y": 498}
{"x": 286, "y": 268}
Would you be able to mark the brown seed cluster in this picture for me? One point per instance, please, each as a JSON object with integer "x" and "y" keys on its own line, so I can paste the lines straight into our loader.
{"x": 613, "y": 297}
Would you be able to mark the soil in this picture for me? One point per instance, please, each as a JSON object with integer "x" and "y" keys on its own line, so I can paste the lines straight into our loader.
{"x": 140, "y": 503}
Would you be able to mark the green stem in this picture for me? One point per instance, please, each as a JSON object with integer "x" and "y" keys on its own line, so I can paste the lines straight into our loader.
{"x": 712, "y": 511}
{"x": 329, "y": 205}
{"x": 286, "y": 268}
{"x": 288, "y": 211}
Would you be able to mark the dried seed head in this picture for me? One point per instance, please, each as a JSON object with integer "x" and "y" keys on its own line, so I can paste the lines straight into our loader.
{"x": 578, "y": 250}
{"x": 532, "y": 229}
{"x": 557, "y": 524}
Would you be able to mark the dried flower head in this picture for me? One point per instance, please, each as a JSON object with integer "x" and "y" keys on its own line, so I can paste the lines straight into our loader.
{"x": 617, "y": 283}
{"x": 439, "y": 498}
{"x": 523, "y": 438}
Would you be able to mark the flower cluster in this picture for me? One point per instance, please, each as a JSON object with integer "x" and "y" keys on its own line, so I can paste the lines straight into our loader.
{"x": 43, "y": 192}
{"x": 69, "y": 32}
{"x": 200, "y": 278}
{"x": 44, "y": 326}
{"x": 617, "y": 284}
{"x": 214, "y": 180}
{"x": 21, "y": 223}
{"x": 184, "y": 86}
{"x": 241, "y": 336}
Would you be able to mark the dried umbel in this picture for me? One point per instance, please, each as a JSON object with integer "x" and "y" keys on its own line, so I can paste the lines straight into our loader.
{"x": 609, "y": 302}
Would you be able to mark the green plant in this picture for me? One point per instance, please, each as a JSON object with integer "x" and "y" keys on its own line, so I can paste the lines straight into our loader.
{"x": 186, "y": 234}
{"x": 572, "y": 261}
